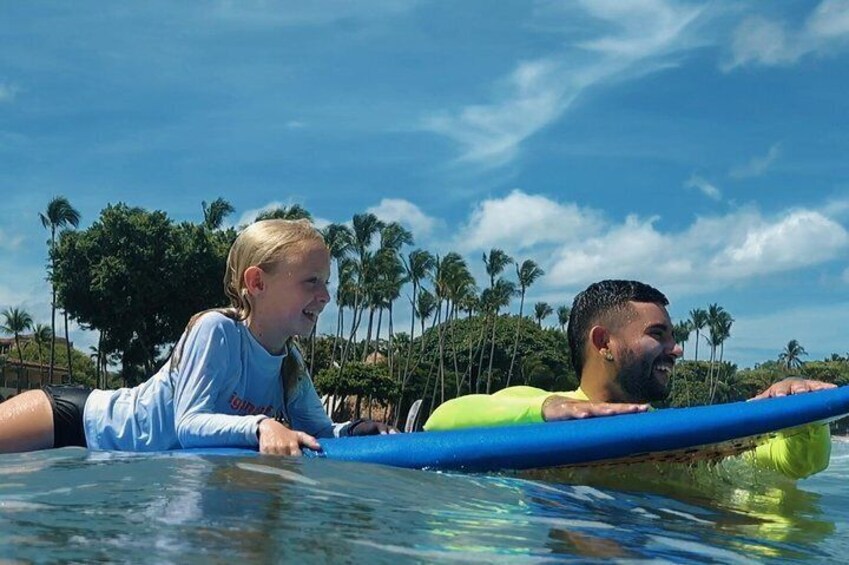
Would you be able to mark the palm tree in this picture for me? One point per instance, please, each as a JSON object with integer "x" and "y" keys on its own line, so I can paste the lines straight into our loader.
{"x": 339, "y": 240}
{"x": 451, "y": 274}
{"x": 425, "y": 307}
{"x": 681, "y": 332}
{"x": 215, "y": 212}
{"x": 419, "y": 265}
{"x": 498, "y": 297}
{"x": 527, "y": 273}
{"x": 41, "y": 337}
{"x": 495, "y": 263}
{"x": 365, "y": 227}
{"x": 698, "y": 320}
{"x": 293, "y": 212}
{"x": 542, "y": 310}
{"x": 563, "y": 313}
{"x": 59, "y": 214}
{"x": 791, "y": 357}
{"x": 459, "y": 289}
{"x": 391, "y": 276}
{"x": 719, "y": 329}
{"x": 15, "y": 322}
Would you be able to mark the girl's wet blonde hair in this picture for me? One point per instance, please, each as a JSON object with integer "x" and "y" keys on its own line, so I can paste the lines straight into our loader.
{"x": 262, "y": 244}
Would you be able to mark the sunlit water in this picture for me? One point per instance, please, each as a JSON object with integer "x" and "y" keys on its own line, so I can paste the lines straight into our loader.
{"x": 70, "y": 505}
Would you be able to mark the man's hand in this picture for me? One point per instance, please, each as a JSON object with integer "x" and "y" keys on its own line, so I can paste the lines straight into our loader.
{"x": 561, "y": 408}
{"x": 793, "y": 385}
{"x": 370, "y": 428}
{"x": 277, "y": 439}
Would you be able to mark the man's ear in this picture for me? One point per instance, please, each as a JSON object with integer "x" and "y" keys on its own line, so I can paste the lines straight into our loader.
{"x": 599, "y": 338}
{"x": 254, "y": 282}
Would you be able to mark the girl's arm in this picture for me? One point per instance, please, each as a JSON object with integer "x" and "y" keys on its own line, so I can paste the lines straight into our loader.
{"x": 307, "y": 413}
{"x": 203, "y": 383}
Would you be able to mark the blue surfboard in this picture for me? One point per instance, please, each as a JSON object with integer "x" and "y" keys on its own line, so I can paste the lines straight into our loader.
{"x": 673, "y": 434}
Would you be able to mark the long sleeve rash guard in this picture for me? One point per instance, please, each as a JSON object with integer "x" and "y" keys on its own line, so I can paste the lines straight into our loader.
{"x": 224, "y": 385}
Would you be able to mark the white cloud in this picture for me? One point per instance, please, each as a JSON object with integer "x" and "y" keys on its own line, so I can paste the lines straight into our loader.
{"x": 800, "y": 239}
{"x": 295, "y": 124}
{"x": 829, "y": 20}
{"x": 704, "y": 186}
{"x": 758, "y": 40}
{"x": 406, "y": 213}
{"x": 10, "y": 242}
{"x": 521, "y": 220}
{"x": 577, "y": 246}
{"x": 8, "y": 92}
{"x": 846, "y": 275}
{"x": 490, "y": 134}
{"x": 539, "y": 91}
{"x": 712, "y": 253}
{"x": 647, "y": 27}
{"x": 757, "y": 166}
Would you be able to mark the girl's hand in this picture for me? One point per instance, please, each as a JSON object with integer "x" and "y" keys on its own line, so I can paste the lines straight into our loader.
{"x": 277, "y": 439}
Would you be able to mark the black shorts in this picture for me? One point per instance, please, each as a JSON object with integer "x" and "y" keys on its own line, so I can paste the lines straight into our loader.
{"x": 68, "y": 404}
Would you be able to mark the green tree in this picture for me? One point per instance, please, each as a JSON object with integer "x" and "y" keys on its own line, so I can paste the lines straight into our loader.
{"x": 41, "y": 336}
{"x": 365, "y": 228}
{"x": 719, "y": 329}
{"x": 563, "y": 313}
{"x": 451, "y": 280}
{"x": 681, "y": 332}
{"x": 215, "y": 213}
{"x": 136, "y": 278}
{"x": 494, "y": 299}
{"x": 58, "y": 215}
{"x": 388, "y": 276}
{"x": 526, "y": 274}
{"x": 293, "y": 212}
{"x": 364, "y": 380}
{"x": 495, "y": 262}
{"x": 791, "y": 357}
{"x": 16, "y": 321}
{"x": 339, "y": 239}
{"x": 698, "y": 320}
{"x": 418, "y": 266}
{"x": 542, "y": 310}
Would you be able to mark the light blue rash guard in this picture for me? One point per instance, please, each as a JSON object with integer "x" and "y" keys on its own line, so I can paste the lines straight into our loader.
{"x": 225, "y": 385}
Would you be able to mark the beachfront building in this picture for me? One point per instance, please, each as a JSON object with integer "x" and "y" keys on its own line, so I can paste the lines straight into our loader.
{"x": 16, "y": 376}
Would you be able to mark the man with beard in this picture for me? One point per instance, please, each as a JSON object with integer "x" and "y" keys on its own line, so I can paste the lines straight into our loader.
{"x": 622, "y": 347}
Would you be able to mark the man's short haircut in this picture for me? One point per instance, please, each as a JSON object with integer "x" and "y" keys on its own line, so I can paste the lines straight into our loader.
{"x": 596, "y": 303}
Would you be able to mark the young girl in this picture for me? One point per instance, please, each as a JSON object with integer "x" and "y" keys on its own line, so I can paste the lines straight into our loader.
{"x": 234, "y": 379}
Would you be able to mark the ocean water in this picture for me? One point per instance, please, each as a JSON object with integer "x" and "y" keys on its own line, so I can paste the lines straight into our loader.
{"x": 73, "y": 506}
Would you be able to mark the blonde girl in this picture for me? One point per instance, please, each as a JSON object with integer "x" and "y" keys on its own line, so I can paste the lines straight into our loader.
{"x": 235, "y": 378}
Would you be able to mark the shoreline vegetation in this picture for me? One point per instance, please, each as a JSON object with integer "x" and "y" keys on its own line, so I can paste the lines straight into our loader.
{"x": 135, "y": 277}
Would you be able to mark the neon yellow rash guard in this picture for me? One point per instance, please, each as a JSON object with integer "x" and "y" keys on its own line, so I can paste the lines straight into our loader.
{"x": 796, "y": 453}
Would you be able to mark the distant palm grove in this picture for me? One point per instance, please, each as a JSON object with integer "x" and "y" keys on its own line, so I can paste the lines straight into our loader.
{"x": 135, "y": 277}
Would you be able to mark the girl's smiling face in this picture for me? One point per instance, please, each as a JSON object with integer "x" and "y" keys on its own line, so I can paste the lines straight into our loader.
{"x": 288, "y": 295}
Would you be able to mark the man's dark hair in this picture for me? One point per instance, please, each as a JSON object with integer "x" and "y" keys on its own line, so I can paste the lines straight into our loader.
{"x": 597, "y": 302}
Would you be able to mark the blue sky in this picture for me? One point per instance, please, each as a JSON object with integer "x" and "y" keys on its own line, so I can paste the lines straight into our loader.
{"x": 700, "y": 147}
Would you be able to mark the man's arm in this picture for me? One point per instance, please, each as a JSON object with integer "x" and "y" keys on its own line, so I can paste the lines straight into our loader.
{"x": 520, "y": 405}
{"x": 799, "y": 452}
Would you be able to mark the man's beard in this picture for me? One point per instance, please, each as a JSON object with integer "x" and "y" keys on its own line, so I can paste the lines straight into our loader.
{"x": 637, "y": 379}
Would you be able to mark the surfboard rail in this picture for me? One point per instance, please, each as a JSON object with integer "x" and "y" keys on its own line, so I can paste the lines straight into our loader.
{"x": 582, "y": 442}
